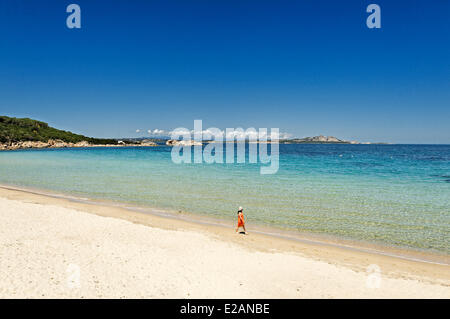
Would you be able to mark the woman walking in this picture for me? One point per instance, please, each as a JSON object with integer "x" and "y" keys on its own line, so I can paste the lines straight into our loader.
{"x": 241, "y": 221}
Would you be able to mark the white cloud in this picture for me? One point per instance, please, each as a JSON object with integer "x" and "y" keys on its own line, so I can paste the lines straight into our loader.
{"x": 180, "y": 131}
{"x": 239, "y": 134}
{"x": 158, "y": 132}
{"x": 284, "y": 135}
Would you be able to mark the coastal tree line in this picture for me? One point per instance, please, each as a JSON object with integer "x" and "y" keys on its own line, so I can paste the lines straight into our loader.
{"x": 24, "y": 129}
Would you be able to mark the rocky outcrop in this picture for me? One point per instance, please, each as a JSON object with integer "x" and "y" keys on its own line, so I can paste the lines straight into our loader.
{"x": 321, "y": 138}
{"x": 61, "y": 144}
{"x": 171, "y": 142}
{"x": 147, "y": 143}
{"x": 81, "y": 144}
{"x": 318, "y": 139}
{"x": 182, "y": 143}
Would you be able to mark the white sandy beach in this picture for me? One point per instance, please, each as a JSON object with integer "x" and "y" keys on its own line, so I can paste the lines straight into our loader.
{"x": 55, "y": 249}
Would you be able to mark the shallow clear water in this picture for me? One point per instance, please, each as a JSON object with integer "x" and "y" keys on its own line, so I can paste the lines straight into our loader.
{"x": 391, "y": 194}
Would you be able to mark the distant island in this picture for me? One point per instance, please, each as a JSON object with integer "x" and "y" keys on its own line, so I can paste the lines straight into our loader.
{"x": 305, "y": 140}
{"x": 321, "y": 140}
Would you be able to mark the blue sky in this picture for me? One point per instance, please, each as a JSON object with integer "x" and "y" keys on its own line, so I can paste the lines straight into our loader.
{"x": 306, "y": 67}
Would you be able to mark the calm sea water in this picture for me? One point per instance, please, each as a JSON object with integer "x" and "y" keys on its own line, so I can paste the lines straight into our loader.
{"x": 397, "y": 195}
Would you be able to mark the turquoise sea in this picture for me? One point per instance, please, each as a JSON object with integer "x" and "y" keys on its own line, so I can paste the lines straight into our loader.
{"x": 396, "y": 195}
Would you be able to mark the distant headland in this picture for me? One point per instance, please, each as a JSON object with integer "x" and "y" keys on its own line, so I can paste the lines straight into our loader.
{"x": 22, "y": 133}
{"x": 321, "y": 140}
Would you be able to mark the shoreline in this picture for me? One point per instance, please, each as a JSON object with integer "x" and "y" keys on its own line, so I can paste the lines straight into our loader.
{"x": 352, "y": 258}
{"x": 58, "y": 144}
{"x": 54, "y": 247}
{"x": 408, "y": 254}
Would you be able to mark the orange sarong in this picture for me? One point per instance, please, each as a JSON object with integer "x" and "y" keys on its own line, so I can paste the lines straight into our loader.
{"x": 241, "y": 221}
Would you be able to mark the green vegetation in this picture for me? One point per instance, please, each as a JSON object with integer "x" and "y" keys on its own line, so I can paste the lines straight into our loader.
{"x": 19, "y": 130}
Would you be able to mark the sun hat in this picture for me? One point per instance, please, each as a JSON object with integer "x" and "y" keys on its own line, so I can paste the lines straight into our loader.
{"x": 240, "y": 208}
